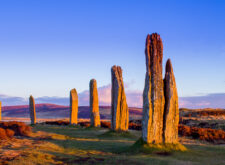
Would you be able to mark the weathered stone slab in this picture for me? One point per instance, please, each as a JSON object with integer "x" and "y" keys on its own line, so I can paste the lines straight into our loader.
{"x": 32, "y": 110}
{"x": 171, "y": 112}
{"x": 0, "y": 110}
{"x": 94, "y": 107}
{"x": 119, "y": 108}
{"x": 73, "y": 107}
{"x": 153, "y": 95}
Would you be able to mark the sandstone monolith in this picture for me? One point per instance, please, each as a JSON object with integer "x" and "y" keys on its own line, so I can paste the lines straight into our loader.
{"x": 32, "y": 110}
{"x": 153, "y": 95}
{"x": 171, "y": 111}
{"x": 0, "y": 110}
{"x": 94, "y": 108}
{"x": 73, "y": 107}
{"x": 119, "y": 108}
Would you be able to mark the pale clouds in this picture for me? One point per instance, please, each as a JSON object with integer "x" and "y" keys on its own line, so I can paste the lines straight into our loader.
{"x": 214, "y": 100}
{"x": 134, "y": 99}
{"x": 11, "y": 100}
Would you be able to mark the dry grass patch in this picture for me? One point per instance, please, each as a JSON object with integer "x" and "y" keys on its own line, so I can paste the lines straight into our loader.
{"x": 19, "y": 128}
{"x": 206, "y": 134}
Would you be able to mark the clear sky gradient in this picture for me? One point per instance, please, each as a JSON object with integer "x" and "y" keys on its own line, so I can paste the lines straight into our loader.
{"x": 48, "y": 47}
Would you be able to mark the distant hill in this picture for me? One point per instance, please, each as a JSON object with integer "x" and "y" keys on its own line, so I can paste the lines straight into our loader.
{"x": 51, "y": 111}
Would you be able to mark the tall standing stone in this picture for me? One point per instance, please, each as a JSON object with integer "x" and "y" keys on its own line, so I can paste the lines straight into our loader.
{"x": 119, "y": 108}
{"x": 153, "y": 95}
{"x": 0, "y": 110}
{"x": 94, "y": 108}
{"x": 32, "y": 110}
{"x": 73, "y": 107}
{"x": 171, "y": 112}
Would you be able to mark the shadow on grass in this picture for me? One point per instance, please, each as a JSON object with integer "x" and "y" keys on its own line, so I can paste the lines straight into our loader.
{"x": 122, "y": 146}
{"x": 117, "y": 134}
{"x": 93, "y": 144}
{"x": 93, "y": 128}
{"x": 82, "y": 138}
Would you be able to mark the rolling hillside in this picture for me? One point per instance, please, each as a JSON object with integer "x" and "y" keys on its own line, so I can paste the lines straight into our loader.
{"x": 51, "y": 111}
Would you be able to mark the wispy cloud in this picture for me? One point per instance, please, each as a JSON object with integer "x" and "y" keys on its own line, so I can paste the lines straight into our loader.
{"x": 134, "y": 99}
{"x": 11, "y": 100}
{"x": 214, "y": 100}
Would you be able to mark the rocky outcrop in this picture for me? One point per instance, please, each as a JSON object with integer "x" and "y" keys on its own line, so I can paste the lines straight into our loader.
{"x": 32, "y": 110}
{"x": 171, "y": 112}
{"x": 153, "y": 95}
{"x": 73, "y": 107}
{"x": 119, "y": 108}
{"x": 94, "y": 107}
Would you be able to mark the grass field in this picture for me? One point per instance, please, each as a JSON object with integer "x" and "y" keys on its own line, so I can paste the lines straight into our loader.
{"x": 76, "y": 145}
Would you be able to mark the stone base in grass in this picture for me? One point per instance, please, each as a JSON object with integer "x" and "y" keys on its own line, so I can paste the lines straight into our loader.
{"x": 141, "y": 146}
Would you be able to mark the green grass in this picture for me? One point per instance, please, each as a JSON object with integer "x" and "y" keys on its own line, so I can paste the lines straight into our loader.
{"x": 161, "y": 149}
{"x": 118, "y": 135}
{"x": 77, "y": 145}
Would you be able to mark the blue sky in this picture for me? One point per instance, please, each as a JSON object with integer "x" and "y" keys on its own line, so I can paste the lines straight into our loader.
{"x": 48, "y": 47}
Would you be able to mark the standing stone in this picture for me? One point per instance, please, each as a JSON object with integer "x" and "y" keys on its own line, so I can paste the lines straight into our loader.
{"x": 94, "y": 108}
{"x": 171, "y": 112}
{"x": 153, "y": 95}
{"x": 119, "y": 108}
{"x": 73, "y": 106}
{"x": 32, "y": 110}
{"x": 0, "y": 110}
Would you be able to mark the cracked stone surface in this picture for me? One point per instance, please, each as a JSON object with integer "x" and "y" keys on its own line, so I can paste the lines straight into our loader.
{"x": 153, "y": 95}
{"x": 94, "y": 106}
{"x": 119, "y": 108}
{"x": 171, "y": 112}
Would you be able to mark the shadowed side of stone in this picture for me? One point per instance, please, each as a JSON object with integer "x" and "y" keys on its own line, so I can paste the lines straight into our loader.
{"x": 73, "y": 106}
{"x": 94, "y": 107}
{"x": 171, "y": 112}
{"x": 32, "y": 110}
{"x": 153, "y": 95}
{"x": 119, "y": 108}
